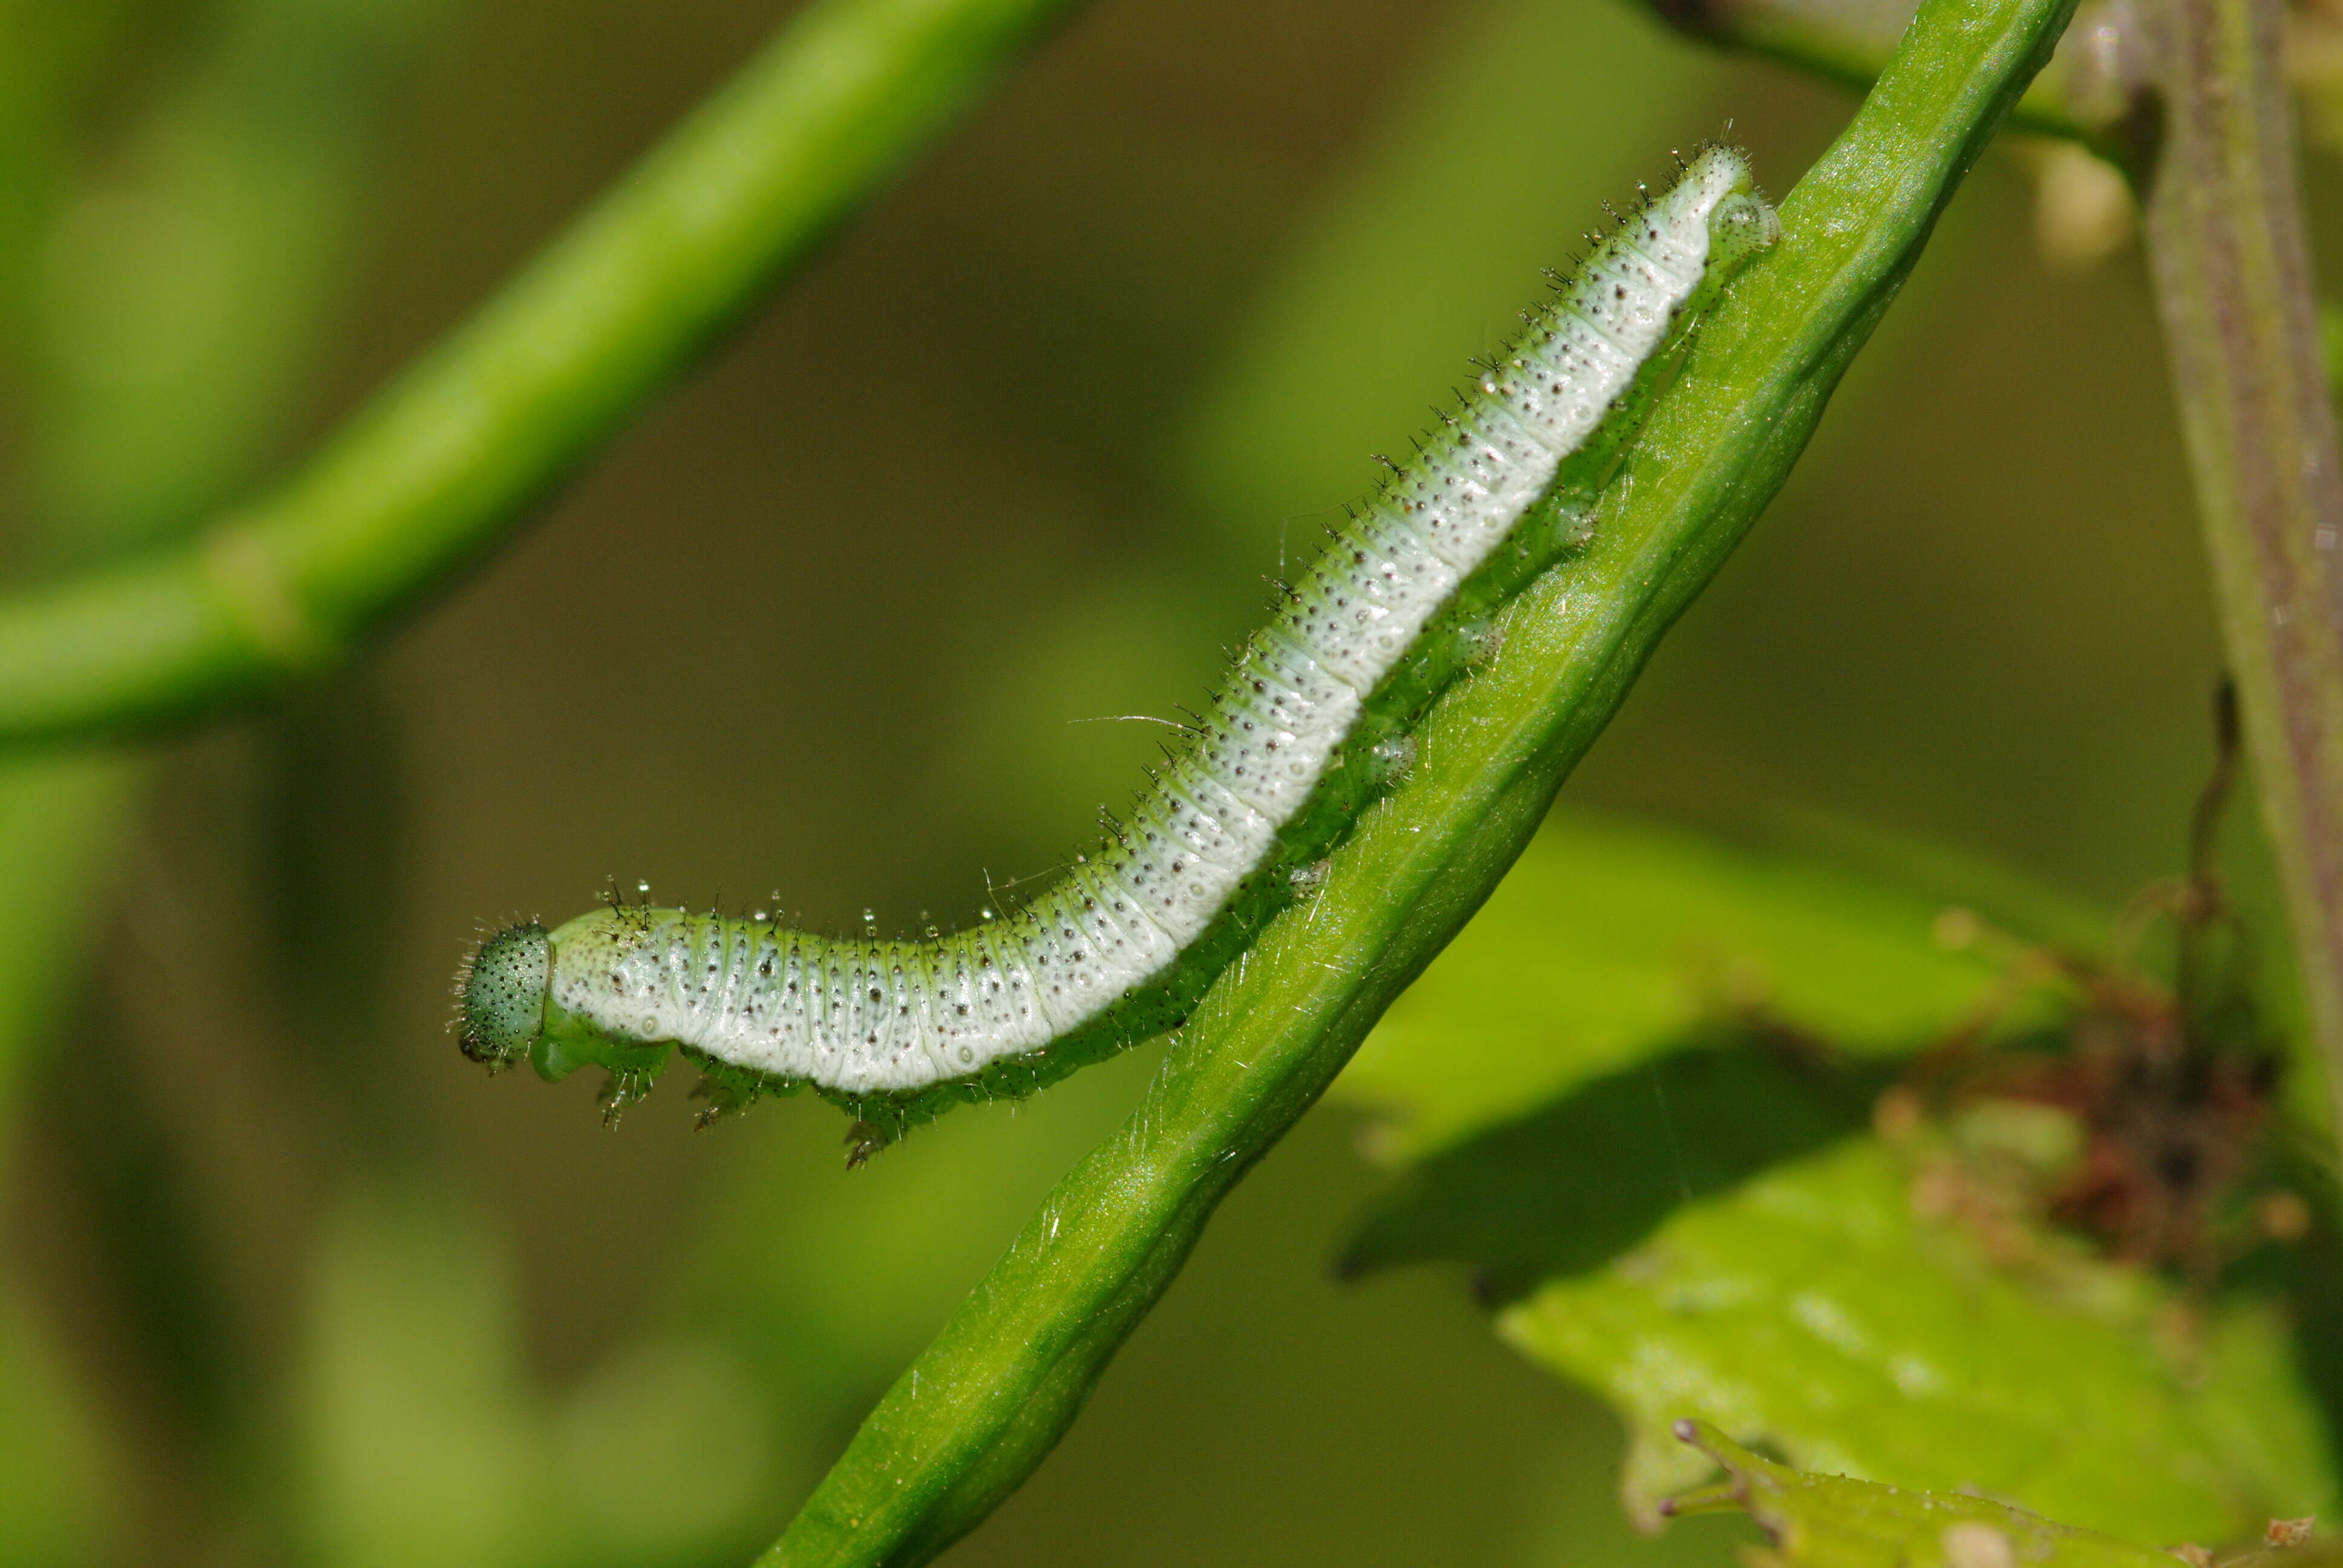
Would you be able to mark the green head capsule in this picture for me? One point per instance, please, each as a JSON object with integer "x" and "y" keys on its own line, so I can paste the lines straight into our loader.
{"x": 501, "y": 994}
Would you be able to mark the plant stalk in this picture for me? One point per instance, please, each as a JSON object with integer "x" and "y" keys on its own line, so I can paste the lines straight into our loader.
{"x": 442, "y": 463}
{"x": 2233, "y": 284}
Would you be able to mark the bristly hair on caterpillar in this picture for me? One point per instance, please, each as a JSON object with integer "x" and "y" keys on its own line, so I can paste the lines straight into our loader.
{"x": 1312, "y": 722}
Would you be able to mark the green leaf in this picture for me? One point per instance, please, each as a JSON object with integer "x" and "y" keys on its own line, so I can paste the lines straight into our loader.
{"x": 1614, "y": 942}
{"x": 1811, "y": 1311}
{"x": 1571, "y": 1186}
{"x": 1831, "y": 1521}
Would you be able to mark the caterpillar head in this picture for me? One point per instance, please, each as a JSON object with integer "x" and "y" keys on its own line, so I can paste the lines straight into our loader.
{"x": 500, "y": 995}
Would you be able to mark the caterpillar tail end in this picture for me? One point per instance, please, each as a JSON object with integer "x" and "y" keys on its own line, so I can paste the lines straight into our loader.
{"x": 500, "y": 995}
{"x": 1743, "y": 225}
{"x": 1741, "y": 222}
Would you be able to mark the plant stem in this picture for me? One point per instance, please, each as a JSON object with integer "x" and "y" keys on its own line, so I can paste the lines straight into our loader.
{"x": 987, "y": 1400}
{"x": 2233, "y": 284}
{"x": 440, "y": 464}
{"x": 253, "y": 153}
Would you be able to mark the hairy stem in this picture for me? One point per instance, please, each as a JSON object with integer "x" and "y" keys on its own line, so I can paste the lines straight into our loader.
{"x": 439, "y": 465}
{"x": 986, "y": 1401}
{"x": 2233, "y": 284}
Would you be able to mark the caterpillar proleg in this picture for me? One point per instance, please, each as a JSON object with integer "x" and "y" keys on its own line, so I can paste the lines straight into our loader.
{"x": 1315, "y": 715}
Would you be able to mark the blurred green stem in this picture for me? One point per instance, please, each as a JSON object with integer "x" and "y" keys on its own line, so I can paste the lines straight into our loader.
{"x": 982, "y": 1405}
{"x": 2224, "y": 225}
{"x": 164, "y": 291}
{"x": 162, "y": 304}
{"x": 440, "y": 464}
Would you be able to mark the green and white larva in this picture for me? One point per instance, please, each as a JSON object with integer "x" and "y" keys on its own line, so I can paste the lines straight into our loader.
{"x": 1292, "y": 746}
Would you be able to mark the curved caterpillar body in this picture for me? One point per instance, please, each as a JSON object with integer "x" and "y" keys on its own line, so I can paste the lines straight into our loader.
{"x": 1312, "y": 719}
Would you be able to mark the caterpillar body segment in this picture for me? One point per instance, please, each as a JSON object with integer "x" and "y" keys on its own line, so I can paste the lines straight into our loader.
{"x": 1301, "y": 735}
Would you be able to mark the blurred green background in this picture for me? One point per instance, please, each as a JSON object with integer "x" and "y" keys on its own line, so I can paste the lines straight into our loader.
{"x": 288, "y": 1281}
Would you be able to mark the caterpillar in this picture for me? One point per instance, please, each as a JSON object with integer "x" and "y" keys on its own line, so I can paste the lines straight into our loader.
{"x": 1311, "y": 722}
